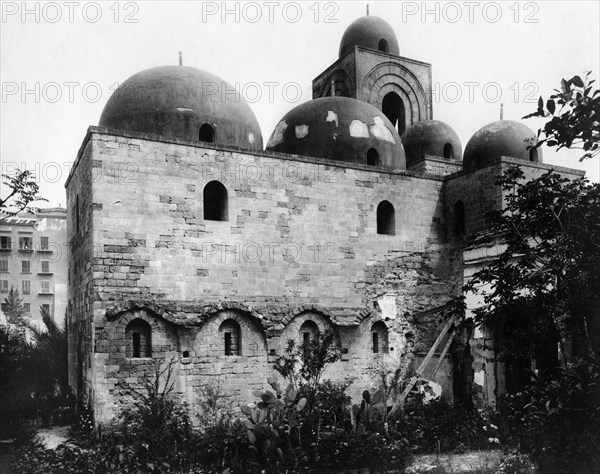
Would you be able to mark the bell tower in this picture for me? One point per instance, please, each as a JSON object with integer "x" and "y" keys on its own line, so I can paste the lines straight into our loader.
{"x": 370, "y": 68}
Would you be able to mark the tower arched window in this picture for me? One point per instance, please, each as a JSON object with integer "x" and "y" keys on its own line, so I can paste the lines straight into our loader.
{"x": 206, "y": 133}
{"x": 386, "y": 218}
{"x": 448, "y": 151}
{"x": 372, "y": 157}
{"x": 459, "y": 218}
{"x": 138, "y": 338}
{"x": 379, "y": 337}
{"x": 308, "y": 331}
{"x": 393, "y": 108}
{"x": 215, "y": 202}
{"x": 383, "y": 45}
{"x": 231, "y": 334}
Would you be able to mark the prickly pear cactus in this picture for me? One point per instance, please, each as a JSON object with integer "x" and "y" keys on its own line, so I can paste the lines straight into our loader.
{"x": 271, "y": 418}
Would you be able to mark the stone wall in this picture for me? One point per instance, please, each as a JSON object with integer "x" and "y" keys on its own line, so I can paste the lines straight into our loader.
{"x": 300, "y": 243}
{"x": 80, "y": 292}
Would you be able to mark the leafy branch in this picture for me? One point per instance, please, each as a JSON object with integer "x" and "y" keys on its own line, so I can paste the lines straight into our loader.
{"x": 575, "y": 117}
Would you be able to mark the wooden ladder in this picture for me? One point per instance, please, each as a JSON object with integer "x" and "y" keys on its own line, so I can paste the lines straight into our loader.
{"x": 450, "y": 327}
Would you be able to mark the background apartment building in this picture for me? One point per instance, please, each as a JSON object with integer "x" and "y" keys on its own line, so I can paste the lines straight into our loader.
{"x": 33, "y": 260}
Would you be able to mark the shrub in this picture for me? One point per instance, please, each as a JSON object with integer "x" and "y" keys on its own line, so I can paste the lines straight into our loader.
{"x": 440, "y": 427}
{"x": 331, "y": 404}
{"x": 65, "y": 459}
{"x": 157, "y": 425}
{"x": 556, "y": 419}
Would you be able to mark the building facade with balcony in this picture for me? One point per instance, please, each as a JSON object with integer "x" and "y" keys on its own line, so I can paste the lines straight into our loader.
{"x": 33, "y": 260}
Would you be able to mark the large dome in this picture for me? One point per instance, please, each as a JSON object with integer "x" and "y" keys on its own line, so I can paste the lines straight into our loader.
{"x": 431, "y": 137}
{"x": 370, "y": 32}
{"x": 183, "y": 102}
{"x": 501, "y": 138}
{"x": 342, "y": 129}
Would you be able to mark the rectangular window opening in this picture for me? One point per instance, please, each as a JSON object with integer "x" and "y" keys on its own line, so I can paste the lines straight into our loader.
{"x": 375, "y": 342}
{"x": 228, "y": 344}
{"x": 5, "y": 242}
{"x": 137, "y": 344}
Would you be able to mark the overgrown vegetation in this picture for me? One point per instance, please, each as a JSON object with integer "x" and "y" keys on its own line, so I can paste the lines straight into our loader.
{"x": 31, "y": 375}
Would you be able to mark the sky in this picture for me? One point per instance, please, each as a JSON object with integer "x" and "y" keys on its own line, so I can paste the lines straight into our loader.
{"x": 60, "y": 62}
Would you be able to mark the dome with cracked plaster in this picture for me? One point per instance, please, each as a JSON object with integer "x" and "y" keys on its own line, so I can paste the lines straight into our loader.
{"x": 341, "y": 129}
{"x": 183, "y": 102}
{"x": 370, "y": 32}
{"x": 433, "y": 138}
{"x": 501, "y": 138}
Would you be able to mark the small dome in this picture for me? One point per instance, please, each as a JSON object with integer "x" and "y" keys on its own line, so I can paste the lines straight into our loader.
{"x": 501, "y": 138}
{"x": 431, "y": 137}
{"x": 342, "y": 129}
{"x": 183, "y": 102}
{"x": 370, "y": 32}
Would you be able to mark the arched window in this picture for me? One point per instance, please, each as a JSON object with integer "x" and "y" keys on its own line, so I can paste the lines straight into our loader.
{"x": 215, "y": 202}
{"x": 308, "y": 331}
{"x": 448, "y": 152}
{"x": 386, "y": 219}
{"x": 393, "y": 108}
{"x": 372, "y": 157}
{"x": 459, "y": 218}
{"x": 232, "y": 337}
{"x": 382, "y": 46}
{"x": 138, "y": 338}
{"x": 533, "y": 154}
{"x": 206, "y": 133}
{"x": 379, "y": 335}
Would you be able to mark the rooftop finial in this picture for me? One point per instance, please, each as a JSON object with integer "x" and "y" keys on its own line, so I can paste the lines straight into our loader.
{"x": 501, "y": 111}
{"x": 332, "y": 88}
{"x": 367, "y": 9}
{"x": 180, "y": 59}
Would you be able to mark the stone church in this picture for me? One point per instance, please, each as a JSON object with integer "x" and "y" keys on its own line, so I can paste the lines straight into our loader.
{"x": 191, "y": 242}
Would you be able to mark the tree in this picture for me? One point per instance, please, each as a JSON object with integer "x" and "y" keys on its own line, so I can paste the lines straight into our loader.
{"x": 22, "y": 191}
{"x": 308, "y": 362}
{"x": 545, "y": 285}
{"x": 14, "y": 308}
{"x": 575, "y": 117}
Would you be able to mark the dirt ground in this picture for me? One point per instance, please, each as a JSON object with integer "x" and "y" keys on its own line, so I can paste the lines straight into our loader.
{"x": 473, "y": 461}
{"x": 52, "y": 437}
